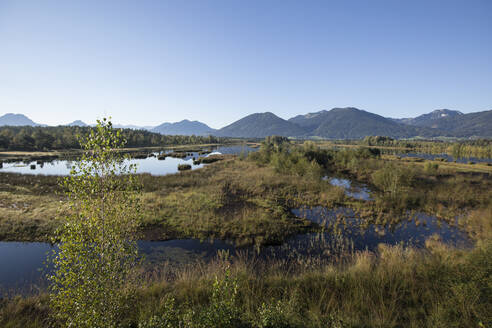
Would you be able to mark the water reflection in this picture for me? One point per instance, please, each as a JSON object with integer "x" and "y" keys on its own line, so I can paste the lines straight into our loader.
{"x": 151, "y": 164}
{"x": 23, "y": 264}
{"x": 411, "y": 231}
{"x": 359, "y": 191}
{"x": 343, "y": 233}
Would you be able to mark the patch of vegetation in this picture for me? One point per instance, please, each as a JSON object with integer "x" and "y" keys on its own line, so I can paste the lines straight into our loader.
{"x": 209, "y": 159}
{"x": 184, "y": 167}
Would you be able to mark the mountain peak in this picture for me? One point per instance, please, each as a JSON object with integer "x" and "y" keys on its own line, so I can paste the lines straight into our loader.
{"x": 77, "y": 123}
{"x": 184, "y": 127}
{"x": 265, "y": 114}
{"x": 444, "y": 113}
{"x": 16, "y": 120}
{"x": 260, "y": 125}
{"x": 430, "y": 119}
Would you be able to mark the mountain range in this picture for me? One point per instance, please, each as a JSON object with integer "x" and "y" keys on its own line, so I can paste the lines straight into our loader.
{"x": 429, "y": 120}
{"x": 77, "y": 123}
{"x": 337, "y": 123}
{"x": 16, "y": 120}
{"x": 260, "y": 125}
{"x": 185, "y": 127}
{"x": 352, "y": 123}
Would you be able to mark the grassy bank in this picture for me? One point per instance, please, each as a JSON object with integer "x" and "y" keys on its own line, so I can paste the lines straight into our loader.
{"x": 396, "y": 287}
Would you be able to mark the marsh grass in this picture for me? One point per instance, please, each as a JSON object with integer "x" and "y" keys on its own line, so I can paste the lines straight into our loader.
{"x": 396, "y": 286}
{"x": 248, "y": 200}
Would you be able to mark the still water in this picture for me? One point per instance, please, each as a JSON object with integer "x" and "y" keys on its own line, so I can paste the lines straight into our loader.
{"x": 22, "y": 263}
{"x": 357, "y": 191}
{"x": 150, "y": 165}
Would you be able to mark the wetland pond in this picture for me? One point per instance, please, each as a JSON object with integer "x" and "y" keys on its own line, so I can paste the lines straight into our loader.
{"x": 151, "y": 164}
{"x": 342, "y": 231}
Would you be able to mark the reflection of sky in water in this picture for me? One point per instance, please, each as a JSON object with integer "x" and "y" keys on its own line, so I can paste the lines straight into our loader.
{"x": 413, "y": 231}
{"x": 62, "y": 167}
{"x": 358, "y": 192}
{"x": 150, "y": 165}
{"x": 23, "y": 263}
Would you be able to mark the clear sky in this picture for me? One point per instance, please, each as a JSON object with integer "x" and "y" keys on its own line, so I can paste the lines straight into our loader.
{"x": 147, "y": 62}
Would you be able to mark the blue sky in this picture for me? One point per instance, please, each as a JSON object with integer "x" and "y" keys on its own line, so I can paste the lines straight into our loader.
{"x": 147, "y": 62}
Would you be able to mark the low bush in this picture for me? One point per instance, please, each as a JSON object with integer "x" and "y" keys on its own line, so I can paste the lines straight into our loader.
{"x": 184, "y": 167}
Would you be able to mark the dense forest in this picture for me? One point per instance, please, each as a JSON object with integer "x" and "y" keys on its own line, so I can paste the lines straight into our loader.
{"x": 66, "y": 137}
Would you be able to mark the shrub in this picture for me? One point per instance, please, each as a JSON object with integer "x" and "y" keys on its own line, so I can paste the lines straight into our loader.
{"x": 211, "y": 159}
{"x": 223, "y": 311}
{"x": 273, "y": 316}
{"x": 170, "y": 318}
{"x": 431, "y": 168}
{"x": 184, "y": 167}
{"x": 392, "y": 179}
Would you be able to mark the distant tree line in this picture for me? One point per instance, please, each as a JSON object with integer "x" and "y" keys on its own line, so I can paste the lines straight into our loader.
{"x": 29, "y": 138}
{"x": 463, "y": 148}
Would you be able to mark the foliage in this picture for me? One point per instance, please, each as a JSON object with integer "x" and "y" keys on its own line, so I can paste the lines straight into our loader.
{"x": 431, "y": 168}
{"x": 392, "y": 179}
{"x": 222, "y": 311}
{"x": 96, "y": 247}
{"x": 171, "y": 317}
{"x": 285, "y": 158}
{"x": 274, "y": 315}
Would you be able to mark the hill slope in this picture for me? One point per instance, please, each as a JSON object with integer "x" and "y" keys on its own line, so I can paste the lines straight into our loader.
{"x": 309, "y": 121}
{"x": 260, "y": 125}
{"x": 77, "y": 123}
{"x": 451, "y": 123}
{"x": 466, "y": 125}
{"x": 16, "y": 120}
{"x": 185, "y": 127}
{"x": 353, "y": 123}
{"x": 429, "y": 119}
